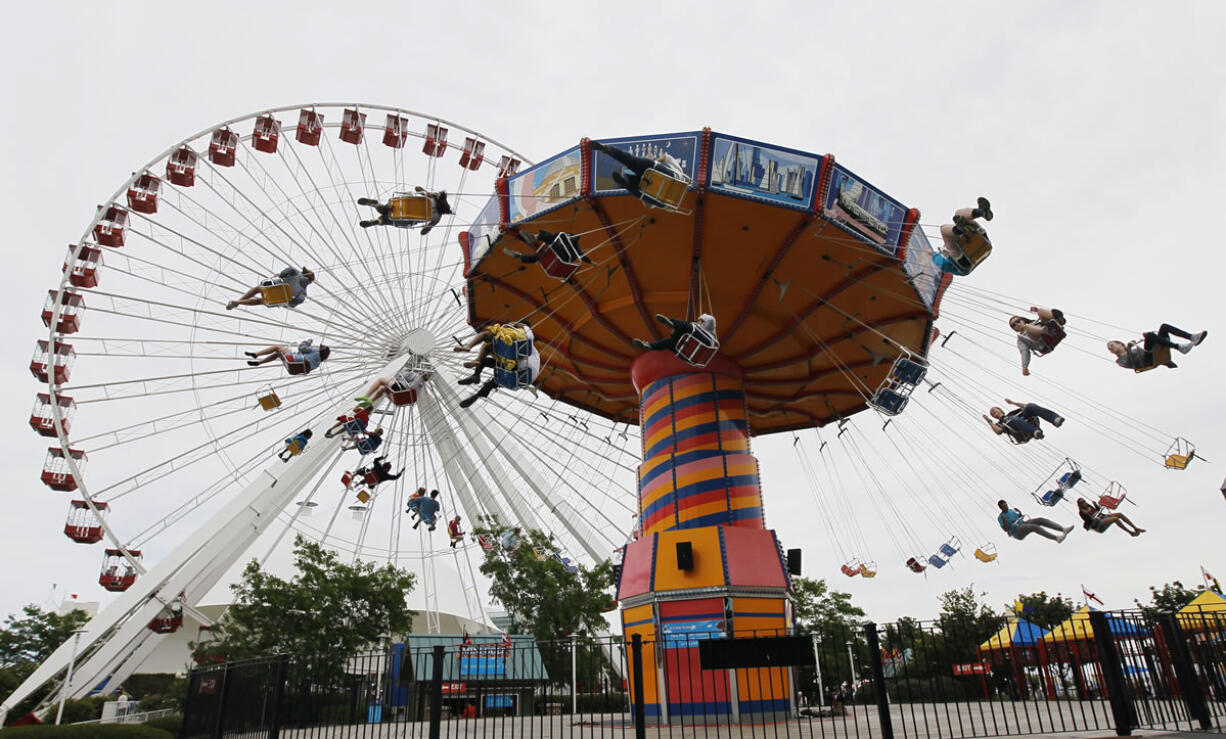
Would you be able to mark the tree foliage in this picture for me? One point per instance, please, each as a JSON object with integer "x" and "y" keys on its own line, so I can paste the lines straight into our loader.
{"x": 327, "y": 608}
{"x": 542, "y": 598}
{"x": 27, "y": 640}
{"x": 819, "y": 609}
{"x": 1169, "y": 599}
{"x": 966, "y": 621}
{"x": 1043, "y": 610}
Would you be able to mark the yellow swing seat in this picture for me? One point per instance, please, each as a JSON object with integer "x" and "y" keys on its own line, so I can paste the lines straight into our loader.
{"x": 410, "y": 208}
{"x": 986, "y": 553}
{"x": 275, "y": 292}
{"x": 1179, "y": 454}
{"x": 662, "y": 190}
{"x": 268, "y": 399}
{"x": 1161, "y": 355}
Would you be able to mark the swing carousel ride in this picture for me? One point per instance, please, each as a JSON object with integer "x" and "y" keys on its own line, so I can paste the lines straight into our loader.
{"x": 823, "y": 287}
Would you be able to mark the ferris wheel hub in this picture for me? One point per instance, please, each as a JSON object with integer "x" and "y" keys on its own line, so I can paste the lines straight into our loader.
{"x": 419, "y": 341}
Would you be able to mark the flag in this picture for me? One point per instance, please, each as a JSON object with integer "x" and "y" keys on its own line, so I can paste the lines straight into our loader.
{"x": 74, "y": 596}
{"x": 1214, "y": 585}
{"x": 1021, "y": 607}
{"x": 1090, "y": 596}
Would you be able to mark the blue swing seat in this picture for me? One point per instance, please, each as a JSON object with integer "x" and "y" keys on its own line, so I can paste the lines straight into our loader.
{"x": 936, "y": 561}
{"x": 367, "y": 445}
{"x": 1052, "y": 497}
{"x": 948, "y": 551}
{"x": 889, "y": 401}
{"x": 909, "y": 371}
{"x": 353, "y": 427}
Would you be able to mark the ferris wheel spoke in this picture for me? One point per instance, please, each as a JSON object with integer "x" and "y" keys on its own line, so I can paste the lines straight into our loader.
{"x": 297, "y": 238}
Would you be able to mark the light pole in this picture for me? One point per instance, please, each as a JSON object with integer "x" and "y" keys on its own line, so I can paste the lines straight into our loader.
{"x": 851, "y": 660}
{"x": 76, "y": 640}
{"x": 817, "y": 662}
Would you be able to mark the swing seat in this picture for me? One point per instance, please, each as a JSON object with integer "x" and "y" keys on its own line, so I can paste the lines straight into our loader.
{"x": 1109, "y": 502}
{"x": 363, "y": 495}
{"x": 889, "y": 401}
{"x": 1053, "y": 334}
{"x": 294, "y": 448}
{"x": 275, "y": 292}
{"x": 975, "y": 247}
{"x": 868, "y": 569}
{"x": 296, "y": 367}
{"x": 410, "y": 208}
{"x": 541, "y": 553}
{"x": 485, "y": 543}
{"x": 986, "y": 554}
{"x": 566, "y": 563}
{"x": 353, "y": 426}
{"x": 936, "y": 561}
{"x": 402, "y": 397}
{"x": 664, "y": 191}
{"x": 698, "y": 347}
{"x": 851, "y": 569}
{"x": 1160, "y": 356}
{"x": 559, "y": 258}
{"x": 1052, "y": 497}
{"x": 269, "y": 401}
{"x": 947, "y": 551}
{"x": 908, "y": 371}
{"x": 1069, "y": 479}
{"x": 915, "y": 565}
{"x": 512, "y": 379}
{"x": 510, "y": 346}
{"x": 347, "y": 479}
{"x": 1178, "y": 461}
{"x": 366, "y": 445}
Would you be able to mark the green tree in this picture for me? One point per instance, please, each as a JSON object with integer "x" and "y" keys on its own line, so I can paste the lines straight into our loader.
{"x": 545, "y": 600}
{"x": 835, "y": 620}
{"x": 327, "y": 608}
{"x": 1169, "y": 599}
{"x": 966, "y": 621}
{"x": 27, "y": 640}
{"x": 1043, "y": 610}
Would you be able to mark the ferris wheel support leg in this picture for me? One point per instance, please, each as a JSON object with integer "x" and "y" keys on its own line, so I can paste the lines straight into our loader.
{"x": 190, "y": 570}
{"x": 469, "y": 486}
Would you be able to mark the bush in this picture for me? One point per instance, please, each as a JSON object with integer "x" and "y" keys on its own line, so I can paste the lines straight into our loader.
{"x": 172, "y": 723}
{"x": 602, "y": 703}
{"x": 86, "y": 709}
{"x": 87, "y": 731}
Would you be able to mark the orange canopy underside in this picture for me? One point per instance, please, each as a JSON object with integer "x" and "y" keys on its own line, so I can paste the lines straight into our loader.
{"x": 803, "y": 307}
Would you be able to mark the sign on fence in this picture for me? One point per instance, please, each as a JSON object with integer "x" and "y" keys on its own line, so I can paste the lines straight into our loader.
{"x": 970, "y": 668}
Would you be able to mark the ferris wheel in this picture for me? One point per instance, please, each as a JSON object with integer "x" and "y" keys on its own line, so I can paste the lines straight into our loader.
{"x": 148, "y": 376}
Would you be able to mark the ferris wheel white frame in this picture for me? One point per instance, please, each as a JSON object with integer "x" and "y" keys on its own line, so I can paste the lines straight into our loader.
{"x": 117, "y": 640}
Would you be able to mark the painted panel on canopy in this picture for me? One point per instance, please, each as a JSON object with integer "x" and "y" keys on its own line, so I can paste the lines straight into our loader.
{"x": 543, "y": 187}
{"x": 681, "y": 146}
{"x": 751, "y": 169}
{"x": 865, "y": 211}
{"x": 925, "y": 277}
{"x": 484, "y": 230}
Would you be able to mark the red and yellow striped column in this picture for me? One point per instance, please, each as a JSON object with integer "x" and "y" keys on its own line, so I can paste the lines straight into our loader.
{"x": 697, "y": 469}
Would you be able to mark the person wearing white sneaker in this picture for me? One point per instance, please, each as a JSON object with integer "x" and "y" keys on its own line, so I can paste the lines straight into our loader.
{"x": 1014, "y": 523}
{"x": 1141, "y": 355}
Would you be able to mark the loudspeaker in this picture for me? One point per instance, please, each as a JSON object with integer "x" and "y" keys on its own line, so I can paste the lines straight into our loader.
{"x": 794, "y": 562}
{"x": 685, "y": 556}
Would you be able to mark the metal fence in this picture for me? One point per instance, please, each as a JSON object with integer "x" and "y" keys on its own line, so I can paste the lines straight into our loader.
{"x": 1101, "y": 671}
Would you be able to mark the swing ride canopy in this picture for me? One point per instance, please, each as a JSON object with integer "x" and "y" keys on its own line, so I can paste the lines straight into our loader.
{"x": 817, "y": 278}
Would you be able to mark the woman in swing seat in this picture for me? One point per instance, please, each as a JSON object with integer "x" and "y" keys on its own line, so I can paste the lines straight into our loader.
{"x": 1096, "y": 519}
{"x": 1014, "y": 523}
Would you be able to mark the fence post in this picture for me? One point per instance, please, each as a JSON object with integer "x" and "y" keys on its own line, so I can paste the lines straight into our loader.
{"x": 1185, "y": 673}
{"x": 636, "y": 674}
{"x": 436, "y": 693}
{"x": 1113, "y": 673}
{"x": 278, "y": 695}
{"x": 219, "y": 728}
{"x": 878, "y": 671}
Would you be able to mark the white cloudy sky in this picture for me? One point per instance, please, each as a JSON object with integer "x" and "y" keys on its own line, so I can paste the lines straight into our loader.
{"x": 1096, "y": 128}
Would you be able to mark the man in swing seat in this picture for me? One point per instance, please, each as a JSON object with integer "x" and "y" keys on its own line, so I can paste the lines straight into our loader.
{"x": 295, "y": 281}
{"x": 565, "y": 246}
{"x": 1021, "y": 424}
{"x": 631, "y": 178}
{"x": 961, "y": 236}
{"x": 388, "y": 215}
{"x": 1014, "y": 523}
{"x": 1155, "y": 348}
{"x": 703, "y": 328}
{"x": 531, "y": 363}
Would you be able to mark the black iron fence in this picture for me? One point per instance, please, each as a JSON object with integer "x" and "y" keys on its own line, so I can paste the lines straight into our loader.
{"x": 1101, "y": 671}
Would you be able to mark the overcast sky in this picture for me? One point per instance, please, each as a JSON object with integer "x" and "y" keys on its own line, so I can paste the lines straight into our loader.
{"x": 1096, "y": 129}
